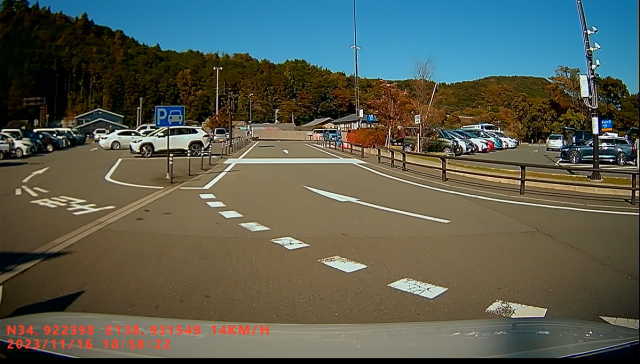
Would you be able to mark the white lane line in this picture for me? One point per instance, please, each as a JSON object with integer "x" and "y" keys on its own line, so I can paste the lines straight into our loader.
{"x": 290, "y": 243}
{"x": 29, "y": 191}
{"x": 230, "y": 214}
{"x": 40, "y": 190}
{"x": 226, "y": 170}
{"x": 342, "y": 198}
{"x": 216, "y": 204}
{"x": 285, "y": 151}
{"x": 18, "y": 191}
{"x": 422, "y": 289}
{"x": 515, "y": 310}
{"x": 108, "y": 178}
{"x": 33, "y": 174}
{"x": 342, "y": 264}
{"x": 619, "y": 321}
{"x": 205, "y": 196}
{"x": 254, "y": 226}
{"x": 294, "y": 161}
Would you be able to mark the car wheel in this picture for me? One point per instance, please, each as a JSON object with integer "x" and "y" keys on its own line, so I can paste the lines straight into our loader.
{"x": 620, "y": 160}
{"x": 49, "y": 148}
{"x": 575, "y": 157}
{"x": 115, "y": 145}
{"x": 195, "y": 149}
{"x": 19, "y": 153}
{"x": 146, "y": 151}
{"x": 446, "y": 150}
{"x": 1, "y": 156}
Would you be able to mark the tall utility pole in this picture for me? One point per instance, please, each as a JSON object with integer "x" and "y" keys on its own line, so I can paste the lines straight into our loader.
{"x": 355, "y": 59}
{"x": 588, "y": 89}
{"x": 140, "y": 113}
{"x": 250, "y": 96}
{"x": 217, "y": 69}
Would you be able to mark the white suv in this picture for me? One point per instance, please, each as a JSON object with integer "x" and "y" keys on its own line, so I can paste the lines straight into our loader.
{"x": 181, "y": 139}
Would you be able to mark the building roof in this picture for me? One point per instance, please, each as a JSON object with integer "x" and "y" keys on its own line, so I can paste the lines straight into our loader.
{"x": 101, "y": 119}
{"x": 99, "y": 109}
{"x": 351, "y": 118}
{"x": 317, "y": 122}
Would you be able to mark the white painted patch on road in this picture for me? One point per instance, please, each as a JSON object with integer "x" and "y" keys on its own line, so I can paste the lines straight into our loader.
{"x": 342, "y": 198}
{"x": 230, "y": 214}
{"x": 285, "y": 151}
{"x": 619, "y": 321}
{"x": 216, "y": 204}
{"x": 205, "y": 196}
{"x": 290, "y": 243}
{"x": 33, "y": 174}
{"x": 40, "y": 190}
{"x": 515, "y": 310}
{"x": 29, "y": 191}
{"x": 342, "y": 264}
{"x": 254, "y": 226}
{"x": 108, "y": 178}
{"x": 18, "y": 191}
{"x": 293, "y": 161}
{"x": 422, "y": 289}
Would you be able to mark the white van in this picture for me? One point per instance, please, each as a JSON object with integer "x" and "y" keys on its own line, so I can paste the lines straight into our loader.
{"x": 482, "y": 126}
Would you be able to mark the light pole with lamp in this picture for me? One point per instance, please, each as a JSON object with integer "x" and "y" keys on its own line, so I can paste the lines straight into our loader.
{"x": 217, "y": 69}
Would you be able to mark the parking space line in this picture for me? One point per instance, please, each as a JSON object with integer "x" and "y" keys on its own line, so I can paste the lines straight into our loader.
{"x": 422, "y": 289}
{"x": 290, "y": 243}
{"x": 29, "y": 191}
{"x": 254, "y": 226}
{"x": 230, "y": 214}
{"x": 40, "y": 190}
{"x": 108, "y": 178}
{"x": 515, "y": 310}
{"x": 226, "y": 170}
{"x": 216, "y": 204}
{"x": 343, "y": 264}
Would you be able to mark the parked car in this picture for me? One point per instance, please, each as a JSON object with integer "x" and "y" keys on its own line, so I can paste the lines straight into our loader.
{"x": 20, "y": 148}
{"x": 555, "y": 142}
{"x": 467, "y": 146}
{"x": 119, "y": 139}
{"x": 481, "y": 144}
{"x": 98, "y": 133}
{"x": 220, "y": 134}
{"x": 611, "y": 149}
{"x": 510, "y": 142}
{"x": 435, "y": 143}
{"x": 26, "y": 145}
{"x": 146, "y": 127}
{"x": 6, "y": 146}
{"x": 181, "y": 139}
{"x": 64, "y": 140}
{"x": 48, "y": 141}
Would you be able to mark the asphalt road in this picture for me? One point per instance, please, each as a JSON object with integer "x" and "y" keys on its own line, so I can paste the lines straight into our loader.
{"x": 163, "y": 251}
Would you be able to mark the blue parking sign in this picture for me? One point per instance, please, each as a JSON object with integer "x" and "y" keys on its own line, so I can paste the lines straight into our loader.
{"x": 170, "y": 115}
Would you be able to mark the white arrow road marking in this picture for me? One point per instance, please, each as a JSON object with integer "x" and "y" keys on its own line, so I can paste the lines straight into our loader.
{"x": 618, "y": 321}
{"x": 421, "y": 289}
{"x": 285, "y": 151}
{"x": 342, "y": 198}
{"x": 515, "y": 310}
{"x": 40, "y": 190}
{"x": 40, "y": 171}
{"x": 342, "y": 264}
{"x": 18, "y": 191}
{"x": 29, "y": 191}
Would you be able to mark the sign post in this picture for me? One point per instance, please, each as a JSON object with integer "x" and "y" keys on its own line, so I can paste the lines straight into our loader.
{"x": 418, "y": 120}
{"x": 168, "y": 116}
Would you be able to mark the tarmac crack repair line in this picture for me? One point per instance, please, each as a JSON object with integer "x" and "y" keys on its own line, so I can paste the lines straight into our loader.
{"x": 484, "y": 197}
{"x": 71, "y": 238}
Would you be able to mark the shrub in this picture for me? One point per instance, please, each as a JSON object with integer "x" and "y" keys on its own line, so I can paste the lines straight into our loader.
{"x": 369, "y": 137}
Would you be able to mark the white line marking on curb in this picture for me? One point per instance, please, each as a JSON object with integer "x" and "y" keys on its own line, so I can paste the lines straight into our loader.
{"x": 619, "y": 321}
{"x": 294, "y": 161}
{"x": 230, "y": 214}
{"x": 290, "y": 243}
{"x": 40, "y": 171}
{"x": 342, "y": 264}
{"x": 515, "y": 310}
{"x": 422, "y": 289}
{"x": 254, "y": 226}
{"x": 342, "y": 198}
{"x": 18, "y": 191}
{"x": 29, "y": 191}
{"x": 216, "y": 204}
{"x": 205, "y": 196}
{"x": 108, "y": 178}
{"x": 226, "y": 170}
{"x": 40, "y": 190}
{"x": 483, "y": 197}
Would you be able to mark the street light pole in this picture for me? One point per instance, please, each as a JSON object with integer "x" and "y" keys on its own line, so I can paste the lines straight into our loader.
{"x": 590, "y": 94}
{"x": 355, "y": 56}
{"x": 250, "y": 119}
{"x": 217, "y": 69}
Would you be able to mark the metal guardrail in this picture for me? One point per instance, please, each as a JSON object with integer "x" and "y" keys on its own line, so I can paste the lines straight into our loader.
{"x": 340, "y": 145}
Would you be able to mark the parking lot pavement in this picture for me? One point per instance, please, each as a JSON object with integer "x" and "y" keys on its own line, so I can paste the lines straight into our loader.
{"x": 313, "y": 241}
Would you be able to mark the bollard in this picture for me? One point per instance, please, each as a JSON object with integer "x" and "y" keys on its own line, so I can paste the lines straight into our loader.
{"x": 523, "y": 174}
{"x": 393, "y": 158}
{"x": 351, "y": 148}
{"x": 404, "y": 161}
{"x": 634, "y": 184}
{"x": 189, "y": 161}
{"x": 444, "y": 168}
{"x": 362, "y": 151}
{"x": 210, "y": 151}
{"x": 171, "y": 167}
{"x": 379, "y": 156}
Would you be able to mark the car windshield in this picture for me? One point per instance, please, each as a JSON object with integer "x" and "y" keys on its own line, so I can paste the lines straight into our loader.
{"x": 555, "y": 137}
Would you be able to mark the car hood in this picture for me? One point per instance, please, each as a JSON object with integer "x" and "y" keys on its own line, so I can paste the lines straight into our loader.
{"x": 476, "y": 338}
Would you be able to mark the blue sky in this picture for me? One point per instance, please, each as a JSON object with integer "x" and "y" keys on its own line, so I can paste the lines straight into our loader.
{"x": 465, "y": 39}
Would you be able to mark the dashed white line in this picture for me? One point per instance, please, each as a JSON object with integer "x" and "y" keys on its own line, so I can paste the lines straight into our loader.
{"x": 40, "y": 190}
{"x": 205, "y": 196}
{"x": 422, "y": 289}
{"x": 216, "y": 204}
{"x": 290, "y": 243}
{"x": 254, "y": 226}
{"x": 343, "y": 264}
{"x": 230, "y": 214}
{"x": 515, "y": 310}
{"x": 18, "y": 191}
{"x": 29, "y": 191}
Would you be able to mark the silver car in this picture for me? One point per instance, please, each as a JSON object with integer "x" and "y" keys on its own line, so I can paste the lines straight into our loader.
{"x": 555, "y": 142}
